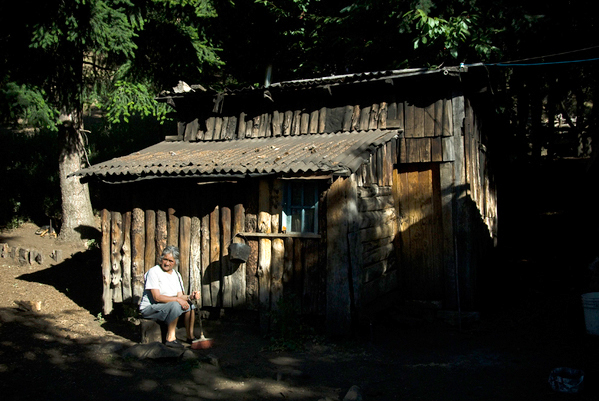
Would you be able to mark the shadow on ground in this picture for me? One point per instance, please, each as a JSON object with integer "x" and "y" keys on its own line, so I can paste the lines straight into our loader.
{"x": 78, "y": 277}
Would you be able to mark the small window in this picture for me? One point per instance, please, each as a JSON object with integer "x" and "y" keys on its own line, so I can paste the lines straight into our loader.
{"x": 300, "y": 207}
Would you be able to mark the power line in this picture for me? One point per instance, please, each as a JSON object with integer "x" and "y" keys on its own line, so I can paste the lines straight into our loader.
{"x": 518, "y": 63}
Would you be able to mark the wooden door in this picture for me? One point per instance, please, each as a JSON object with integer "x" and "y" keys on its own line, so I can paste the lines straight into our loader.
{"x": 416, "y": 190}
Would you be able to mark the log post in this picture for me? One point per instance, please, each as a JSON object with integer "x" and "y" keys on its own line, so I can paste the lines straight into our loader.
{"x": 137, "y": 253}
{"x": 251, "y": 269}
{"x": 106, "y": 288}
{"x": 195, "y": 257}
{"x": 205, "y": 260}
{"x": 184, "y": 248}
{"x": 277, "y": 268}
{"x": 149, "y": 253}
{"x": 238, "y": 281}
{"x": 126, "y": 258}
{"x": 161, "y": 235}
{"x": 264, "y": 252}
{"x": 338, "y": 292}
{"x": 215, "y": 267}
{"x": 115, "y": 257}
{"x": 173, "y": 228}
{"x": 288, "y": 261}
{"x": 227, "y": 284}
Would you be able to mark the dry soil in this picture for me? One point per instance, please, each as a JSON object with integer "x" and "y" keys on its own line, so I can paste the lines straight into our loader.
{"x": 68, "y": 351}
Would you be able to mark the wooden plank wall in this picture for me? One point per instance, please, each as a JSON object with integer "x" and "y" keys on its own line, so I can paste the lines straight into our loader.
{"x": 422, "y": 121}
{"x": 133, "y": 241}
{"x": 372, "y": 234}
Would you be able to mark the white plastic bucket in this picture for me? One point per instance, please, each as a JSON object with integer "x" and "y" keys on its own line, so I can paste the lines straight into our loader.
{"x": 590, "y": 303}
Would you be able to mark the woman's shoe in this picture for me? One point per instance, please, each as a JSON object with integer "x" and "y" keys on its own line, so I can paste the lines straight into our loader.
{"x": 173, "y": 344}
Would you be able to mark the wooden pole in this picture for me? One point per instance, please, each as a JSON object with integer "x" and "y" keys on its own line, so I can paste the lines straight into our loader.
{"x": 173, "y": 228}
{"x": 126, "y": 260}
{"x": 238, "y": 281}
{"x": 161, "y": 235}
{"x": 106, "y": 288}
{"x": 251, "y": 266}
{"x": 205, "y": 260}
{"x": 149, "y": 253}
{"x": 215, "y": 268}
{"x": 195, "y": 257}
{"x": 337, "y": 292}
{"x": 137, "y": 253}
{"x": 115, "y": 257}
{"x": 225, "y": 217}
{"x": 184, "y": 248}
{"x": 277, "y": 268}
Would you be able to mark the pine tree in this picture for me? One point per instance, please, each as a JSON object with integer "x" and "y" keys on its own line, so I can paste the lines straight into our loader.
{"x": 61, "y": 57}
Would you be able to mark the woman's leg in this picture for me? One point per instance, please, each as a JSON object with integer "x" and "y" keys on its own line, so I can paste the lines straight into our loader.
{"x": 189, "y": 323}
{"x": 171, "y": 330}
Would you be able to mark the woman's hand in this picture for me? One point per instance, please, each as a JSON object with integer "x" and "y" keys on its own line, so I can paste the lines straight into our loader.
{"x": 184, "y": 303}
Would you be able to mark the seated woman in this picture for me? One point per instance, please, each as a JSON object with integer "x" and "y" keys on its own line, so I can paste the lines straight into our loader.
{"x": 164, "y": 297}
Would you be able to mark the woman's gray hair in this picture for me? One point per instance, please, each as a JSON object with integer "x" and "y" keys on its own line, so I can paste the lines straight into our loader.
{"x": 173, "y": 251}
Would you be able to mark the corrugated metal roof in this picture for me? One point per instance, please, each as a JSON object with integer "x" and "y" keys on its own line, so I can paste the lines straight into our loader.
{"x": 323, "y": 81}
{"x": 336, "y": 153}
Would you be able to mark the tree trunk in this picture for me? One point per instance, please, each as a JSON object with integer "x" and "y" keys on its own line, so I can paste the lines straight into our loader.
{"x": 77, "y": 214}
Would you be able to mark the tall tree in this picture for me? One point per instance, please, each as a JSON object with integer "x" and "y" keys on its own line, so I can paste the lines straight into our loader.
{"x": 65, "y": 56}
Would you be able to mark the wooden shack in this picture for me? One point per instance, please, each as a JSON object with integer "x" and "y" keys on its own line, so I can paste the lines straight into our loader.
{"x": 354, "y": 193}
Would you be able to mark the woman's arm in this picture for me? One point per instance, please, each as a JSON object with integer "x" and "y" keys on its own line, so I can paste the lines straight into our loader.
{"x": 158, "y": 297}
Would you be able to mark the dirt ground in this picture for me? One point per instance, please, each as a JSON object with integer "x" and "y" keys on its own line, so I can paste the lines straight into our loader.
{"x": 68, "y": 351}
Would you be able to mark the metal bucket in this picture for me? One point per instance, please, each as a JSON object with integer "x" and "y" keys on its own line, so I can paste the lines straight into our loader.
{"x": 239, "y": 252}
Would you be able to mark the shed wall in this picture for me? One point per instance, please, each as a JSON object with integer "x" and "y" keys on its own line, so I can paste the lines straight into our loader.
{"x": 443, "y": 133}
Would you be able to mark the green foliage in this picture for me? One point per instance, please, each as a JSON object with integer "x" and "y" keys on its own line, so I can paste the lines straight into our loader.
{"x": 116, "y": 53}
{"x": 458, "y": 31}
{"x": 92, "y": 243}
{"x": 133, "y": 98}
{"x": 27, "y": 107}
{"x": 100, "y": 318}
{"x": 15, "y": 222}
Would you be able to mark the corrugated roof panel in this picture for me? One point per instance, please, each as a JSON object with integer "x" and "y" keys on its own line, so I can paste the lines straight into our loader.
{"x": 323, "y": 153}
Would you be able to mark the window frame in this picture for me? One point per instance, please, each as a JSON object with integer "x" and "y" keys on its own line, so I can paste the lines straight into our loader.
{"x": 289, "y": 207}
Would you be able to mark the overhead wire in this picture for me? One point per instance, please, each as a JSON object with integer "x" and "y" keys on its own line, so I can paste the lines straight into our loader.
{"x": 518, "y": 63}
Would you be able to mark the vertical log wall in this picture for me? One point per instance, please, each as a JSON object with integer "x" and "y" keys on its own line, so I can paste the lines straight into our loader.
{"x": 279, "y": 263}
